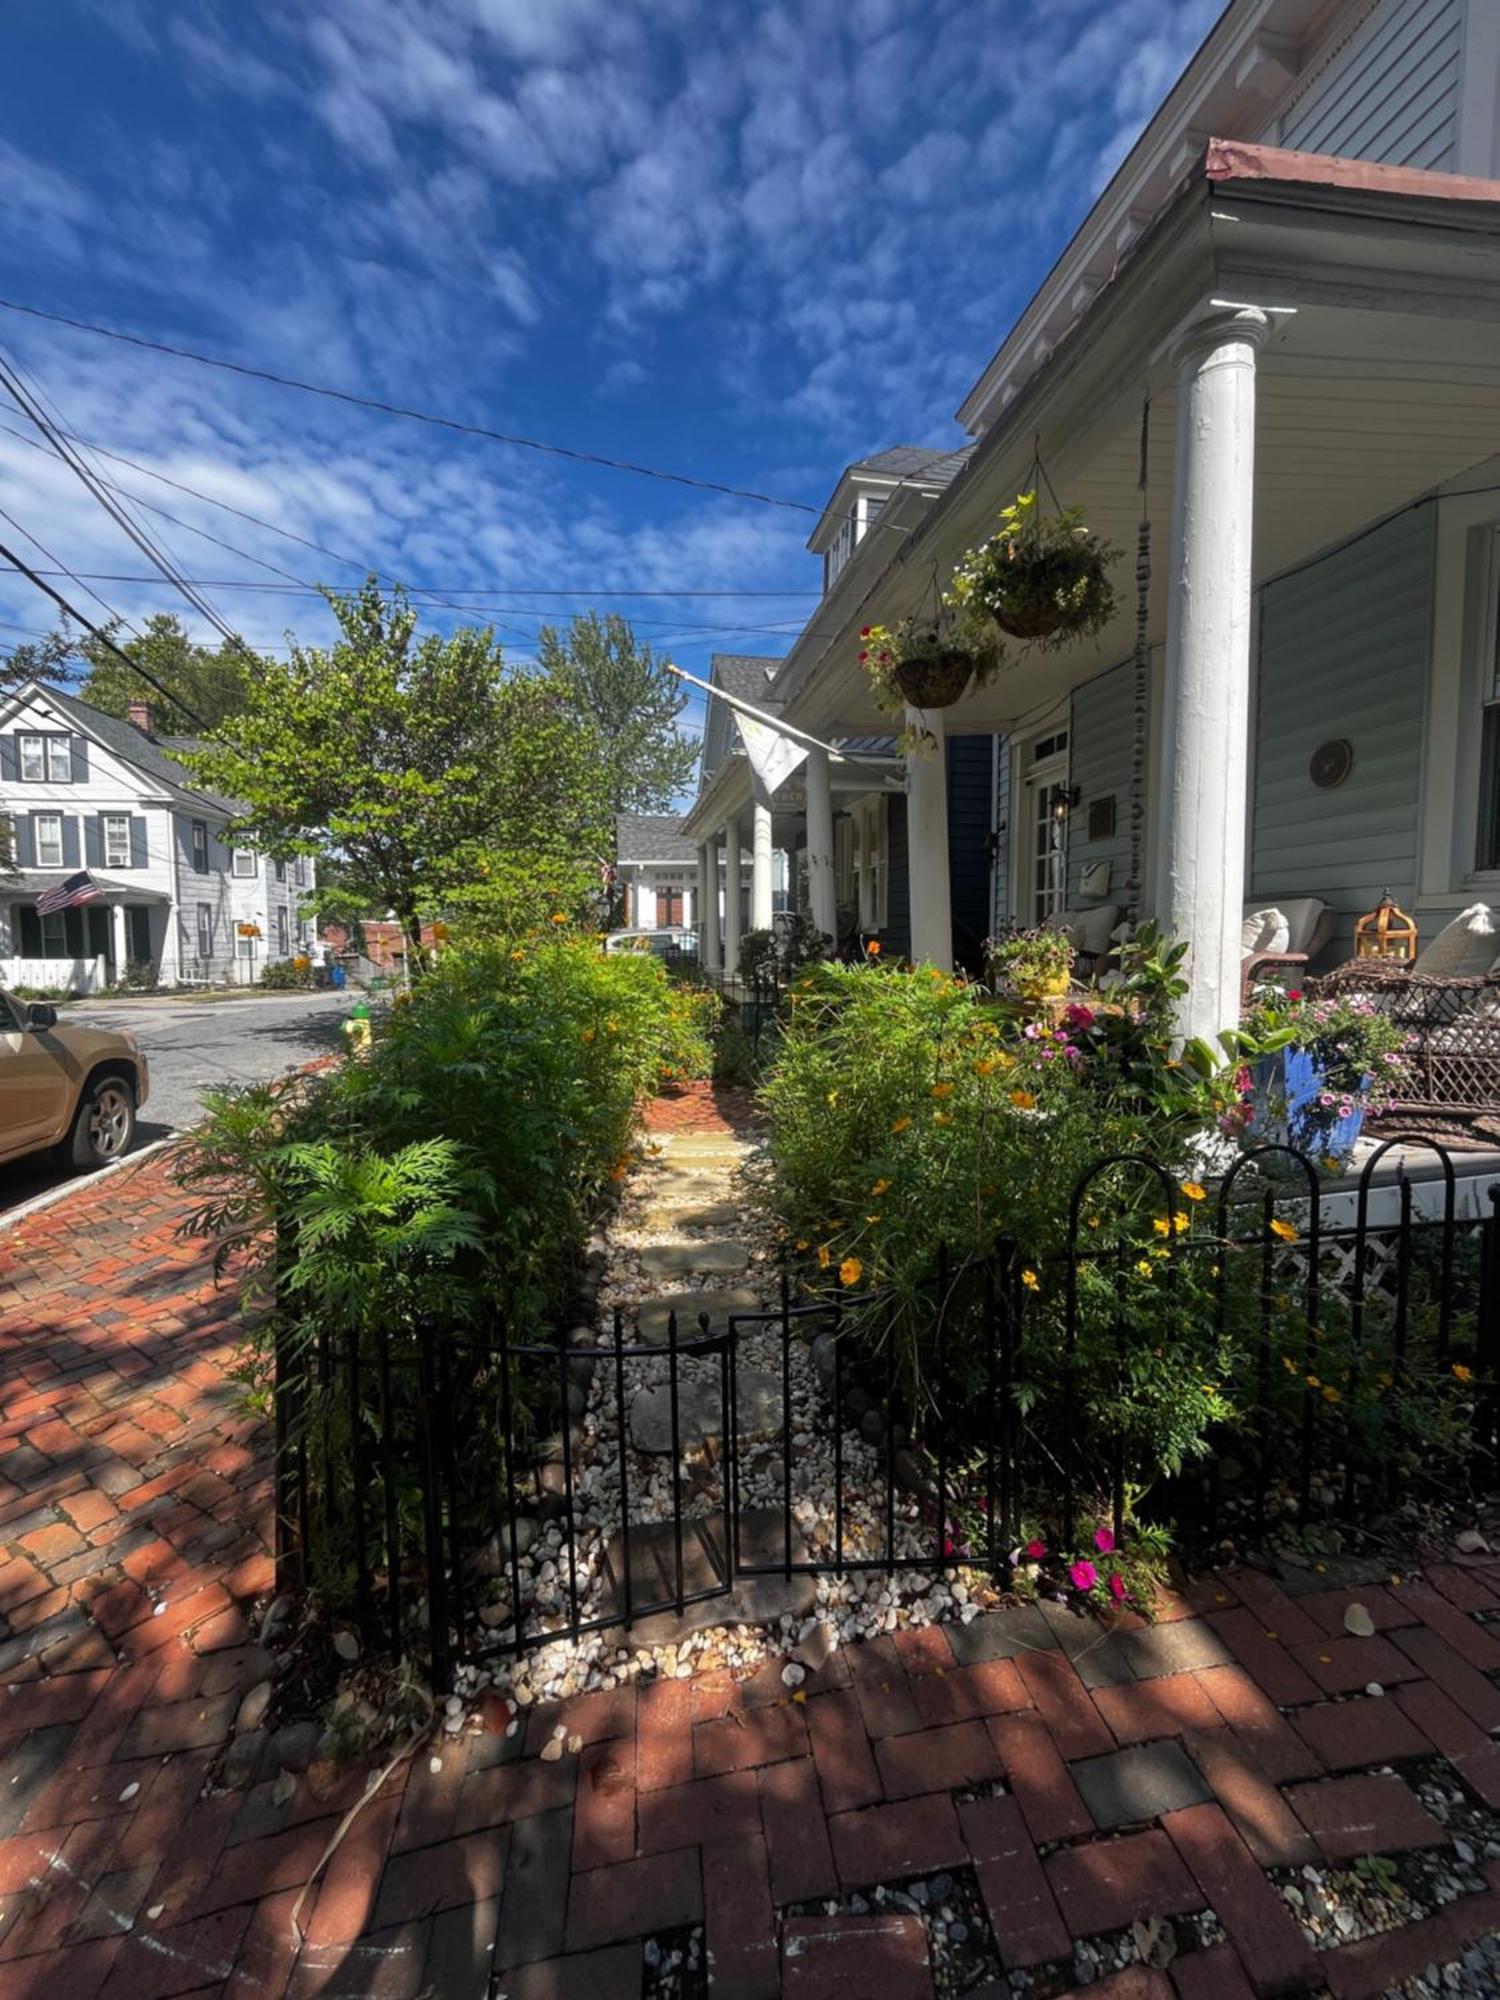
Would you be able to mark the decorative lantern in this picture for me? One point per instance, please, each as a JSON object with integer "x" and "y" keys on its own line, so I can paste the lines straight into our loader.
{"x": 1387, "y": 932}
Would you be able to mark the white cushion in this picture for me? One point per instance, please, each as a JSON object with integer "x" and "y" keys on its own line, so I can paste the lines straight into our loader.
{"x": 1463, "y": 949}
{"x": 1302, "y": 914}
{"x": 1092, "y": 928}
{"x": 1272, "y": 932}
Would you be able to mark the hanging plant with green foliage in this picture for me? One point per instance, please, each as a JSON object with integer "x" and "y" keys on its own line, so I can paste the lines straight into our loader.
{"x": 929, "y": 661}
{"x": 1040, "y": 577}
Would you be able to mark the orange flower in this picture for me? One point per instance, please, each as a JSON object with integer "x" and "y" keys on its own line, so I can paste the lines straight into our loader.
{"x": 1194, "y": 1191}
{"x": 942, "y": 1117}
{"x": 1285, "y": 1230}
{"x": 1463, "y": 1374}
{"x": 942, "y": 1090}
{"x": 825, "y": 1256}
{"x": 901, "y": 1124}
{"x": 558, "y": 917}
{"x": 1023, "y": 1100}
{"x": 880, "y": 1186}
{"x": 1031, "y": 1281}
{"x": 850, "y": 1271}
{"x": 872, "y": 949}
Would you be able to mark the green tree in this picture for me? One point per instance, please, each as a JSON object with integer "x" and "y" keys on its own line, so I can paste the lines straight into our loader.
{"x": 623, "y": 691}
{"x": 439, "y": 780}
{"x": 205, "y": 684}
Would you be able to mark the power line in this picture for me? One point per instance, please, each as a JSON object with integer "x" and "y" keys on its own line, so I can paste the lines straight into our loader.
{"x": 100, "y": 491}
{"x": 456, "y": 424}
{"x": 71, "y": 611}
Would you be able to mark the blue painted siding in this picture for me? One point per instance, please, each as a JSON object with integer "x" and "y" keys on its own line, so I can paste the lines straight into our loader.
{"x": 1100, "y": 744}
{"x": 897, "y": 939}
{"x": 1344, "y": 652}
{"x": 970, "y": 777}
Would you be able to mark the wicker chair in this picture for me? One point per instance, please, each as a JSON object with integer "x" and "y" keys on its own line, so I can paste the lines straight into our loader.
{"x": 1314, "y": 929}
{"x": 1454, "y": 1023}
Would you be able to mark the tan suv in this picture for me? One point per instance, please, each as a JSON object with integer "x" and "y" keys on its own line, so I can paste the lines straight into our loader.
{"x": 74, "y": 1088}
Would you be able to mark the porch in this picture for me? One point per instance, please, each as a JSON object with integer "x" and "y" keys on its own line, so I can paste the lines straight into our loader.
{"x": 86, "y": 947}
{"x": 1328, "y": 330}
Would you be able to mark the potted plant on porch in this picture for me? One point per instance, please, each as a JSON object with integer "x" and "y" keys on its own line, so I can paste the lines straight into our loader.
{"x": 930, "y": 660}
{"x": 1041, "y": 577}
{"x": 1322, "y": 1068}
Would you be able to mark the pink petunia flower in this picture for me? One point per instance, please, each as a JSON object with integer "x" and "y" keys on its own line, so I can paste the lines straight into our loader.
{"x": 1117, "y": 1587}
{"x": 1104, "y": 1540}
{"x": 1036, "y": 1550}
{"x": 1084, "y": 1575}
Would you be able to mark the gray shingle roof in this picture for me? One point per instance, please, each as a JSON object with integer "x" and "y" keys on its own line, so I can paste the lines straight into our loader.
{"x": 652, "y": 837}
{"x": 748, "y": 675}
{"x": 925, "y": 463}
{"x": 135, "y": 747}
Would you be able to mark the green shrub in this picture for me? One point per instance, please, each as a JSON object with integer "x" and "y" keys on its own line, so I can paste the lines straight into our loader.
{"x": 286, "y": 975}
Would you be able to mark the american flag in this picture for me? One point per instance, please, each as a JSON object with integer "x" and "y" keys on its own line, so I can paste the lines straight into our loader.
{"x": 72, "y": 890}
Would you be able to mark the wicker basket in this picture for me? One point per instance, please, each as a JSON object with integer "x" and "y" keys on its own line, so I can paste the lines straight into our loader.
{"x": 1033, "y": 612}
{"x": 935, "y": 680}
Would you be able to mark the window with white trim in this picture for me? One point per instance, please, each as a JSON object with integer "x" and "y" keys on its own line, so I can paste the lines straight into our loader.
{"x": 244, "y": 863}
{"x": 281, "y": 937}
{"x": 205, "y": 930}
{"x": 117, "y": 840}
{"x": 47, "y": 828}
{"x": 873, "y": 848}
{"x": 200, "y": 849}
{"x": 59, "y": 760}
{"x": 843, "y": 860}
{"x": 31, "y": 758}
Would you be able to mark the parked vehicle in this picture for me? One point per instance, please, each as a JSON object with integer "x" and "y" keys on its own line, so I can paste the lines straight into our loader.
{"x": 74, "y": 1088}
{"x": 676, "y": 941}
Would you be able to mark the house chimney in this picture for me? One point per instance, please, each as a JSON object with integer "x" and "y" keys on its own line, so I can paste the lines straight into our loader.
{"x": 140, "y": 714}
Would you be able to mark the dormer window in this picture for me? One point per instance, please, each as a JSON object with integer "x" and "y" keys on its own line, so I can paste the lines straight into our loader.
{"x": 852, "y": 530}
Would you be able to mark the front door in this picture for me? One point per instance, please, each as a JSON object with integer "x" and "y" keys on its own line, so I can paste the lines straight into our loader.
{"x": 1044, "y": 878}
{"x": 668, "y": 908}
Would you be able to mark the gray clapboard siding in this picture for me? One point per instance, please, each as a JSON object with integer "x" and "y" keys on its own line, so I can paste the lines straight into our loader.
{"x": 1099, "y": 750}
{"x": 1344, "y": 649}
{"x": 1390, "y": 93}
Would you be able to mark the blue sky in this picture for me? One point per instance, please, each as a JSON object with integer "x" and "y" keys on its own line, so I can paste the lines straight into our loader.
{"x": 745, "y": 242}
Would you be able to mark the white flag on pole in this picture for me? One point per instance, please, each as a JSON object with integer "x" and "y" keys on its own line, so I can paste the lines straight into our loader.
{"x": 773, "y": 756}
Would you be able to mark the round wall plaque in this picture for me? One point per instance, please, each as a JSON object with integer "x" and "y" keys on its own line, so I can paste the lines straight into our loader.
{"x": 1331, "y": 763}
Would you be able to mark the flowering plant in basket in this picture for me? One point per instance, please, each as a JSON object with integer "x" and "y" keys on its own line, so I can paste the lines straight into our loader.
{"x": 1317, "y": 1070}
{"x": 1042, "y": 577}
{"x": 929, "y": 662}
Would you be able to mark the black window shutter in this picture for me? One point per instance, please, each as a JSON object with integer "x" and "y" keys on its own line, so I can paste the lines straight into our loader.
{"x": 93, "y": 840}
{"x": 70, "y": 840}
{"x": 80, "y": 748}
{"x": 31, "y": 931}
{"x": 9, "y": 769}
{"x": 25, "y": 842}
{"x": 73, "y": 932}
{"x": 137, "y": 841}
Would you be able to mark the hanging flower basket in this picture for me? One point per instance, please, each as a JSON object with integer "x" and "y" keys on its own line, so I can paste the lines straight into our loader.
{"x": 934, "y": 680}
{"x": 928, "y": 663}
{"x": 1043, "y": 578}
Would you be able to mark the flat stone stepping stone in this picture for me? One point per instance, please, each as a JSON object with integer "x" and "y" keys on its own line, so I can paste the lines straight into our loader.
{"x": 755, "y": 1600}
{"x": 711, "y": 1215}
{"x": 722, "y": 1259}
{"x": 700, "y": 1411}
{"x": 652, "y": 1314}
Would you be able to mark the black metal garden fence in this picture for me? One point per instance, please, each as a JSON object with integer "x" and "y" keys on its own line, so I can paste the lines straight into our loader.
{"x": 459, "y": 1493}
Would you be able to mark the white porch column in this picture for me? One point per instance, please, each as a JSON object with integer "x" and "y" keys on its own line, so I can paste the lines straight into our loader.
{"x": 762, "y": 882}
{"x": 708, "y": 903}
{"x": 821, "y": 887}
{"x": 927, "y": 843}
{"x": 117, "y": 921}
{"x": 1205, "y": 758}
{"x": 732, "y": 846}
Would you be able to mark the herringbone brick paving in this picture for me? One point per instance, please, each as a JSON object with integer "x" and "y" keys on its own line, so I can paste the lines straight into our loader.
{"x": 134, "y": 1510}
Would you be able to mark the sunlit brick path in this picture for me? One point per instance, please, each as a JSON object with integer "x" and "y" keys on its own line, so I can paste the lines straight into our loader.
{"x": 1079, "y": 1779}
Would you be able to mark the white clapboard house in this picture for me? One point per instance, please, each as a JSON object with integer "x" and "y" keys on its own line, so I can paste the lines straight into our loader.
{"x": 86, "y": 794}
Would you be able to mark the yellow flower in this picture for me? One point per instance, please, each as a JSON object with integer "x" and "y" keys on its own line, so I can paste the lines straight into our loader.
{"x": 825, "y": 1256}
{"x": 587, "y": 1036}
{"x": 942, "y": 1090}
{"x": 1313, "y": 1382}
{"x": 558, "y": 917}
{"x": 942, "y": 1117}
{"x": 1285, "y": 1230}
{"x": 1330, "y": 1394}
{"x": 1003, "y": 1060}
{"x": 800, "y": 1244}
{"x": 1023, "y": 1100}
{"x": 1180, "y": 1221}
{"x": 611, "y": 1028}
{"x": 1210, "y": 1388}
{"x": 1095, "y": 1222}
{"x": 880, "y": 1186}
{"x": 1144, "y": 1267}
{"x": 1031, "y": 1281}
{"x": 1463, "y": 1374}
{"x": 517, "y": 956}
{"x": 901, "y": 1124}
{"x": 1161, "y": 1225}
{"x": 1160, "y": 1251}
{"x": 850, "y": 1271}
{"x": 872, "y": 1218}
{"x": 1288, "y": 1364}
{"x": 833, "y": 1097}
{"x": 985, "y": 1066}
{"x": 1194, "y": 1191}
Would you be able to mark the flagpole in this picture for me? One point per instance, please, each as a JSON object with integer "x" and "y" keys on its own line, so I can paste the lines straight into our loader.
{"x": 774, "y": 722}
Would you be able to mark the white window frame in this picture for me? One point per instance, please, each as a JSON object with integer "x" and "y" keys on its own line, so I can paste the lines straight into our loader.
{"x": 198, "y": 838}
{"x": 844, "y": 878}
{"x": 245, "y": 864}
{"x": 283, "y": 945}
{"x": 31, "y": 744}
{"x": 38, "y": 821}
{"x": 112, "y": 823}
{"x": 59, "y": 751}
{"x": 205, "y": 922}
{"x": 873, "y": 849}
{"x": 281, "y": 871}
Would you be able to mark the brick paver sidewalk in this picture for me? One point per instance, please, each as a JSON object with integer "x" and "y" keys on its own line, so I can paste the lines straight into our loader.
{"x": 1085, "y": 1778}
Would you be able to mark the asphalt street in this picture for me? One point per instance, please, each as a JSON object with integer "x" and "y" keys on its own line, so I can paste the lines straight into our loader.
{"x": 192, "y": 1046}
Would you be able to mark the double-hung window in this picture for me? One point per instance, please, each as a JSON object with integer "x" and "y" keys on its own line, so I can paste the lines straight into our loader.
{"x": 244, "y": 863}
{"x": 59, "y": 760}
{"x": 32, "y": 757}
{"x": 281, "y": 934}
{"x": 117, "y": 840}
{"x": 48, "y": 829}
{"x": 200, "y": 848}
{"x": 205, "y": 930}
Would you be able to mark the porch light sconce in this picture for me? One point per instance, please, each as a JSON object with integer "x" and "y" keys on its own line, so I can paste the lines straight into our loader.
{"x": 1063, "y": 798}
